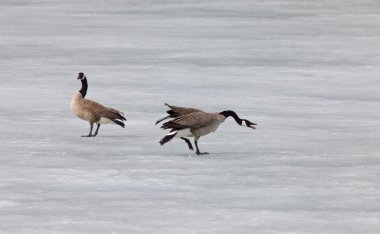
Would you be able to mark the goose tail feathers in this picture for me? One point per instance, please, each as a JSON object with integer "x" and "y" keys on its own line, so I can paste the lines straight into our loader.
{"x": 168, "y": 137}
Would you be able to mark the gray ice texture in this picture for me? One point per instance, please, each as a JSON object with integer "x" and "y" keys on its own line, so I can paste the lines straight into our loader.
{"x": 307, "y": 72}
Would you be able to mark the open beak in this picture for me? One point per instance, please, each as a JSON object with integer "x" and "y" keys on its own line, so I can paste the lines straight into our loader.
{"x": 253, "y": 126}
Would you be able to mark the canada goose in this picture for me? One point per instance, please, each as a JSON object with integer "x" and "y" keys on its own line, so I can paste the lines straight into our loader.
{"x": 92, "y": 111}
{"x": 197, "y": 124}
{"x": 176, "y": 111}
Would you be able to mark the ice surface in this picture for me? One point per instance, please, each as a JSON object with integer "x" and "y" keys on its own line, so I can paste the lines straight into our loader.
{"x": 305, "y": 71}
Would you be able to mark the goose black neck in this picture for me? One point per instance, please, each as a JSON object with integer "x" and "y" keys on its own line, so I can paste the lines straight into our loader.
{"x": 229, "y": 113}
{"x": 83, "y": 90}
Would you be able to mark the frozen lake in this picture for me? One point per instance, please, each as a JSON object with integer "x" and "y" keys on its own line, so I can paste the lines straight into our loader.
{"x": 307, "y": 72}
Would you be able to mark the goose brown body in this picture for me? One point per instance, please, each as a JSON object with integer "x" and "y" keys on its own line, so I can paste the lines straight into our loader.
{"x": 199, "y": 123}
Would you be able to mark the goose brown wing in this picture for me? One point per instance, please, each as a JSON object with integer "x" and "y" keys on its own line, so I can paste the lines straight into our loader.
{"x": 111, "y": 113}
{"x": 92, "y": 105}
{"x": 179, "y": 110}
{"x": 118, "y": 113}
{"x": 193, "y": 120}
{"x": 101, "y": 111}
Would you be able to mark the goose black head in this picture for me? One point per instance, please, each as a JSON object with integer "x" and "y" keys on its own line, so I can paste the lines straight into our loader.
{"x": 248, "y": 124}
{"x": 241, "y": 122}
{"x": 81, "y": 76}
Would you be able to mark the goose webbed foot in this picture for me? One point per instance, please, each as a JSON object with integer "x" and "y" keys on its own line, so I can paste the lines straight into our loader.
{"x": 201, "y": 153}
{"x": 88, "y": 136}
{"x": 90, "y": 133}
{"x": 198, "y": 152}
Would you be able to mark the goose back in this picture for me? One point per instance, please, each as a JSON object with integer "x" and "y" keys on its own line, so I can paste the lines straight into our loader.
{"x": 176, "y": 111}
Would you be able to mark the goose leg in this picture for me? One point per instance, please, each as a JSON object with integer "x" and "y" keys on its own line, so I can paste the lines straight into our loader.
{"x": 198, "y": 152}
{"x": 97, "y": 129}
{"x": 188, "y": 143}
{"x": 90, "y": 133}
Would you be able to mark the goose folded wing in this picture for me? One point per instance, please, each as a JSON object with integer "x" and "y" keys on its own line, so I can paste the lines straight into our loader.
{"x": 111, "y": 113}
{"x": 92, "y": 105}
{"x": 194, "y": 120}
{"x": 119, "y": 114}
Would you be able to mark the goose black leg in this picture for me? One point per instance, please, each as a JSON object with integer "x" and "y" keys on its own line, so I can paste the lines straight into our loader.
{"x": 198, "y": 152}
{"x": 90, "y": 134}
{"x": 96, "y": 131}
{"x": 188, "y": 143}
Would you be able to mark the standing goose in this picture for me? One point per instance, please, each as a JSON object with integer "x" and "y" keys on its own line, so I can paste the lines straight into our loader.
{"x": 92, "y": 111}
{"x": 199, "y": 124}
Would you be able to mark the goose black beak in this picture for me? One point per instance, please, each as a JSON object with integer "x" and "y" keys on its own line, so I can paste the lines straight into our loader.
{"x": 253, "y": 126}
